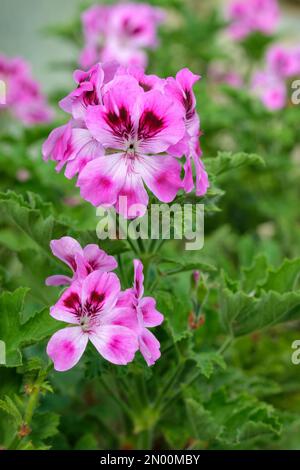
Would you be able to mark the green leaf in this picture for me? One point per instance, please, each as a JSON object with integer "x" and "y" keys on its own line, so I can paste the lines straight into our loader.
{"x": 243, "y": 419}
{"x": 32, "y": 217}
{"x": 271, "y": 300}
{"x": 242, "y": 313}
{"x": 255, "y": 274}
{"x": 208, "y": 362}
{"x": 284, "y": 278}
{"x": 16, "y": 334}
{"x": 227, "y": 161}
{"x": 9, "y": 407}
{"x": 203, "y": 424}
{"x": 44, "y": 425}
{"x": 176, "y": 313}
{"x": 184, "y": 266}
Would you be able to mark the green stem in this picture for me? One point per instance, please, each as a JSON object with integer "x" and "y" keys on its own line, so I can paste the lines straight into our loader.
{"x": 115, "y": 397}
{"x": 178, "y": 392}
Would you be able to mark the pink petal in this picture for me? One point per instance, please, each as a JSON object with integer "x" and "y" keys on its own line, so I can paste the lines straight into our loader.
{"x": 202, "y": 182}
{"x": 161, "y": 123}
{"x": 109, "y": 123}
{"x": 57, "y": 146}
{"x": 68, "y": 307}
{"x": 138, "y": 283}
{"x": 101, "y": 289}
{"x": 161, "y": 174}
{"x": 188, "y": 181}
{"x": 98, "y": 259}
{"x": 116, "y": 344}
{"x": 123, "y": 316}
{"x": 187, "y": 80}
{"x": 101, "y": 179}
{"x": 151, "y": 316}
{"x": 149, "y": 347}
{"x": 58, "y": 280}
{"x": 66, "y": 248}
{"x": 66, "y": 347}
{"x": 133, "y": 198}
{"x": 126, "y": 298}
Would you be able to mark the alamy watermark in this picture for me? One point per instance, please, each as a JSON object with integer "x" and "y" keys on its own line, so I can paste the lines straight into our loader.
{"x": 296, "y": 353}
{"x": 159, "y": 222}
{"x": 296, "y": 93}
{"x": 2, "y": 353}
{"x": 2, "y": 92}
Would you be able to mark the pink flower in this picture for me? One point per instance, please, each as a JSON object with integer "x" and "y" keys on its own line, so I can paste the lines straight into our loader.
{"x": 137, "y": 127}
{"x": 247, "y": 17}
{"x": 81, "y": 261}
{"x": 72, "y": 145}
{"x": 119, "y": 32}
{"x": 23, "y": 95}
{"x": 127, "y": 131}
{"x": 147, "y": 315}
{"x": 282, "y": 61}
{"x": 91, "y": 307}
{"x": 181, "y": 89}
{"x": 271, "y": 90}
{"x": 219, "y": 75}
{"x": 95, "y": 27}
{"x": 89, "y": 89}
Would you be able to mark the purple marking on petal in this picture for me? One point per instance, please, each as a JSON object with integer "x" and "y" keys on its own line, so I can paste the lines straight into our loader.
{"x": 149, "y": 125}
{"x": 120, "y": 123}
{"x": 68, "y": 347}
{"x": 73, "y": 301}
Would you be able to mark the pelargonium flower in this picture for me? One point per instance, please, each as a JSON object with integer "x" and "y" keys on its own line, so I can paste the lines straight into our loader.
{"x": 223, "y": 75}
{"x": 23, "y": 97}
{"x": 181, "y": 89}
{"x": 72, "y": 145}
{"x": 146, "y": 313}
{"x": 137, "y": 127}
{"x": 247, "y": 17}
{"x": 90, "y": 306}
{"x": 270, "y": 89}
{"x": 128, "y": 130}
{"x": 95, "y": 23}
{"x": 282, "y": 61}
{"x": 82, "y": 261}
{"x": 119, "y": 32}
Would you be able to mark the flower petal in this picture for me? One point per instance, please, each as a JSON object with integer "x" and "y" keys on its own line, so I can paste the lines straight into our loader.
{"x": 123, "y": 316}
{"x": 161, "y": 123}
{"x": 97, "y": 259}
{"x": 66, "y": 347}
{"x": 101, "y": 179}
{"x": 138, "y": 283}
{"x": 101, "y": 290}
{"x": 84, "y": 149}
{"x": 149, "y": 347}
{"x": 58, "y": 280}
{"x": 161, "y": 174}
{"x": 151, "y": 316}
{"x": 68, "y": 307}
{"x": 66, "y": 249}
{"x": 116, "y": 344}
{"x": 112, "y": 123}
{"x": 133, "y": 198}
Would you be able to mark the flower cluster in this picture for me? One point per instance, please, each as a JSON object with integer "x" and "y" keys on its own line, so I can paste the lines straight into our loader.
{"x": 22, "y": 95}
{"x": 282, "y": 64}
{"x": 115, "y": 322}
{"x": 247, "y": 17}
{"x": 119, "y": 32}
{"x": 129, "y": 130}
